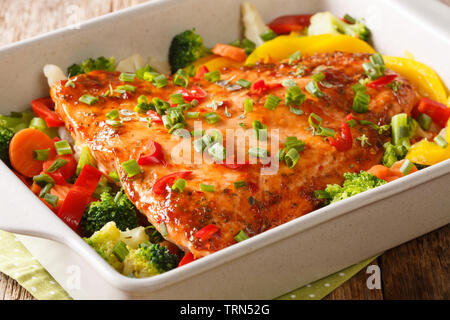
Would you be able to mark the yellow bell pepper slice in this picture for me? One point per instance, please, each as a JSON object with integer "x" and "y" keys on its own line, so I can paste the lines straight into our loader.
{"x": 283, "y": 46}
{"x": 422, "y": 76}
{"x": 221, "y": 62}
{"x": 428, "y": 153}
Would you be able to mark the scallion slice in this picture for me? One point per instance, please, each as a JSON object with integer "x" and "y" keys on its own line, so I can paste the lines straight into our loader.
{"x": 240, "y": 184}
{"x": 181, "y": 78}
{"x": 57, "y": 164}
{"x": 114, "y": 175}
{"x": 361, "y": 102}
{"x": 206, "y": 187}
{"x": 131, "y": 168}
{"x": 260, "y": 130}
{"x": 113, "y": 114}
{"x": 179, "y": 185}
{"x": 400, "y": 130}
{"x": 248, "y": 105}
{"x": 244, "y": 83}
{"x": 294, "y": 57}
{"x": 120, "y": 251}
{"x": 268, "y": 35}
{"x": 46, "y": 189}
{"x": 177, "y": 98}
{"x": 296, "y": 111}
{"x": 258, "y": 152}
{"x": 424, "y": 121}
{"x": 212, "y": 76}
{"x": 63, "y": 147}
{"x": 294, "y": 96}
{"x": 43, "y": 179}
{"x": 287, "y": 83}
{"x": 406, "y": 167}
{"x": 211, "y": 117}
{"x": 127, "y": 77}
{"x": 163, "y": 229}
{"x": 114, "y": 123}
{"x": 272, "y": 102}
{"x": 291, "y": 158}
{"x": 41, "y": 155}
{"x": 192, "y": 115}
{"x": 314, "y": 89}
{"x": 217, "y": 151}
{"x": 51, "y": 199}
{"x": 88, "y": 99}
{"x": 125, "y": 88}
{"x": 440, "y": 140}
{"x": 241, "y": 236}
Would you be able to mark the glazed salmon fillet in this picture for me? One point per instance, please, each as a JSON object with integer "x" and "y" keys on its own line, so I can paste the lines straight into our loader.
{"x": 265, "y": 200}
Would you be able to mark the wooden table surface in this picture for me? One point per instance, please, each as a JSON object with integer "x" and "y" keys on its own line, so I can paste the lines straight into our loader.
{"x": 419, "y": 269}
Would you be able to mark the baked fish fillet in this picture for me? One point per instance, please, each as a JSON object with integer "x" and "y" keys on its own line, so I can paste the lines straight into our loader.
{"x": 269, "y": 199}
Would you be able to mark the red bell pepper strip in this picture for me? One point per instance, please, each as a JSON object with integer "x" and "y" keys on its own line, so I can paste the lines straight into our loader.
{"x": 195, "y": 92}
{"x": 78, "y": 197}
{"x": 344, "y": 141}
{"x": 382, "y": 82}
{"x": 439, "y": 112}
{"x": 160, "y": 185}
{"x": 153, "y": 156}
{"x": 188, "y": 258}
{"x": 154, "y": 116}
{"x": 201, "y": 72}
{"x": 287, "y": 24}
{"x": 206, "y": 233}
{"x": 260, "y": 86}
{"x": 41, "y": 107}
{"x": 68, "y": 170}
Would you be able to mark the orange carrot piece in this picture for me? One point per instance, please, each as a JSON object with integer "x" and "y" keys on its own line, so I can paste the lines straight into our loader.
{"x": 379, "y": 171}
{"x": 228, "y": 51}
{"x": 21, "y": 151}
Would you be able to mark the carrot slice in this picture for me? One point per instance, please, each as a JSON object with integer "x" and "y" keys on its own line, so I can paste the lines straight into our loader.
{"x": 21, "y": 151}
{"x": 379, "y": 171}
{"x": 234, "y": 53}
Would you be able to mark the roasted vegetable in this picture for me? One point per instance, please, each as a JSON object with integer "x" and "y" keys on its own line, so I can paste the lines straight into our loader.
{"x": 6, "y": 135}
{"x": 101, "y": 63}
{"x": 186, "y": 47}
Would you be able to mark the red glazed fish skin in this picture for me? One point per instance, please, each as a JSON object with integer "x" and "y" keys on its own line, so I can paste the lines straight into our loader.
{"x": 272, "y": 199}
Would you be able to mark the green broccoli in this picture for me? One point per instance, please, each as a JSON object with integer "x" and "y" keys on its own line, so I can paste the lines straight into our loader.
{"x": 185, "y": 48}
{"x": 6, "y": 135}
{"x": 118, "y": 209}
{"x": 327, "y": 23}
{"x": 149, "y": 260}
{"x": 101, "y": 63}
{"x": 104, "y": 241}
{"x": 354, "y": 183}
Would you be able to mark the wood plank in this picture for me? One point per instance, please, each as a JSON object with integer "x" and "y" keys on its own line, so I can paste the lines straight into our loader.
{"x": 11, "y": 290}
{"x": 356, "y": 288}
{"x": 121, "y": 4}
{"x": 419, "y": 269}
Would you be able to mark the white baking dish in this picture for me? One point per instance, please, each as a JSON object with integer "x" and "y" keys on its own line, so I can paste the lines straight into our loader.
{"x": 271, "y": 263}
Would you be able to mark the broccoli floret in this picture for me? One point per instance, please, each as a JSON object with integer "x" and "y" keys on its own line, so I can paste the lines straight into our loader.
{"x": 149, "y": 260}
{"x": 327, "y": 23}
{"x": 101, "y": 63}
{"x": 185, "y": 48}
{"x": 393, "y": 153}
{"x": 118, "y": 209}
{"x": 6, "y": 135}
{"x": 354, "y": 183}
{"x": 104, "y": 242}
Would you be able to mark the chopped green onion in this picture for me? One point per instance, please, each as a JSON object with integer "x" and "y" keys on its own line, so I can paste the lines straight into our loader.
{"x": 179, "y": 185}
{"x": 181, "y": 78}
{"x": 318, "y": 77}
{"x": 57, "y": 164}
{"x": 113, "y": 114}
{"x": 125, "y": 88}
{"x": 400, "y": 130}
{"x": 88, "y": 99}
{"x": 217, "y": 151}
{"x": 294, "y": 96}
{"x": 127, "y": 77}
{"x": 424, "y": 121}
{"x": 211, "y": 117}
{"x": 316, "y": 124}
{"x": 406, "y": 167}
{"x": 359, "y": 87}
{"x": 85, "y": 158}
{"x": 177, "y": 98}
{"x": 63, "y": 147}
{"x": 314, "y": 89}
{"x": 441, "y": 141}
{"x": 114, "y": 123}
{"x": 174, "y": 129}
{"x": 150, "y": 75}
{"x": 163, "y": 229}
{"x": 287, "y": 83}
{"x": 361, "y": 102}
{"x": 260, "y": 130}
{"x": 120, "y": 251}
{"x": 114, "y": 175}
{"x": 240, "y": 184}
{"x": 244, "y": 83}
{"x": 377, "y": 59}
{"x": 242, "y": 125}
{"x": 293, "y": 142}
{"x": 51, "y": 199}
{"x": 70, "y": 83}
{"x": 206, "y": 187}
{"x": 41, "y": 155}
{"x": 375, "y": 68}
{"x": 241, "y": 236}
{"x": 258, "y": 152}
{"x": 294, "y": 57}
{"x": 349, "y": 19}
{"x": 296, "y": 111}
{"x": 46, "y": 189}
{"x": 291, "y": 158}
{"x": 197, "y": 133}
{"x": 140, "y": 72}
{"x": 352, "y": 123}
{"x": 326, "y": 132}
{"x": 212, "y": 76}
{"x": 248, "y": 105}
{"x": 192, "y": 115}
{"x": 131, "y": 168}
{"x": 160, "y": 81}
{"x": 271, "y": 102}
{"x": 268, "y": 35}
{"x": 43, "y": 179}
